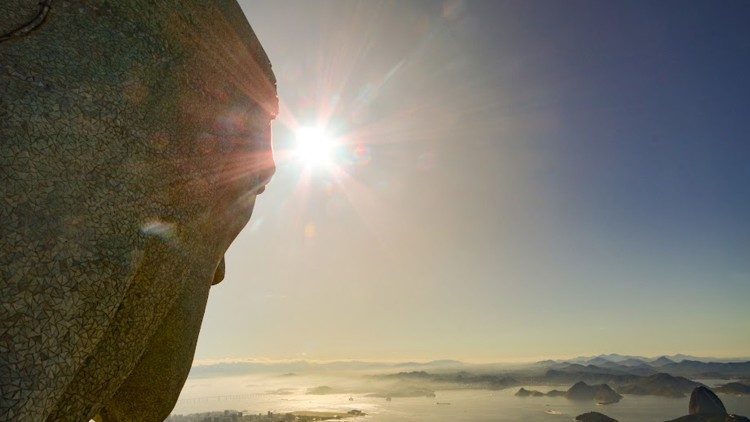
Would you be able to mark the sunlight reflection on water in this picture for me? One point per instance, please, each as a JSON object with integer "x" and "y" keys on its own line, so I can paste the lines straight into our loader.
{"x": 259, "y": 394}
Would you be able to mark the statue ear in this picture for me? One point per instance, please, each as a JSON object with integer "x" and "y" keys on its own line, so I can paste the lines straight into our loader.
{"x": 219, "y": 274}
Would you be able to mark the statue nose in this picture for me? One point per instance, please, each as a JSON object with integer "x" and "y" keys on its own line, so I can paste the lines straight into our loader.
{"x": 265, "y": 172}
{"x": 268, "y": 168}
{"x": 268, "y": 173}
{"x": 219, "y": 272}
{"x": 264, "y": 177}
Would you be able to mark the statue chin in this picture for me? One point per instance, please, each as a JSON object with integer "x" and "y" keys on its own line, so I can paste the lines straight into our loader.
{"x": 133, "y": 147}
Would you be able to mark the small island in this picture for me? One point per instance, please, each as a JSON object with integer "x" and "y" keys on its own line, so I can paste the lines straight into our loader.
{"x": 601, "y": 393}
{"x": 529, "y": 393}
{"x": 594, "y": 417}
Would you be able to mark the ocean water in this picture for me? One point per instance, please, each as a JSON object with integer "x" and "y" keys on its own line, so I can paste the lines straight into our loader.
{"x": 259, "y": 395}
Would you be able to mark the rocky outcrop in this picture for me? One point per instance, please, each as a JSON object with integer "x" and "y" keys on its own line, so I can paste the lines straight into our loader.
{"x": 606, "y": 395}
{"x": 711, "y": 418}
{"x": 703, "y": 400}
{"x": 601, "y": 393}
{"x": 581, "y": 391}
{"x": 594, "y": 417}
{"x": 134, "y": 138}
{"x": 705, "y": 406}
{"x": 528, "y": 393}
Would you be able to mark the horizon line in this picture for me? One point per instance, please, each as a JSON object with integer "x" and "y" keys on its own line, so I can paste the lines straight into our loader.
{"x": 523, "y": 360}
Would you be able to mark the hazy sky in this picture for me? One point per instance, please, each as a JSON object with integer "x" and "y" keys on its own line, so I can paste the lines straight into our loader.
{"x": 530, "y": 179}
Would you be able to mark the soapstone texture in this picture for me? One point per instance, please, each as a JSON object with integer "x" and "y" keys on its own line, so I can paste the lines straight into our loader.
{"x": 134, "y": 137}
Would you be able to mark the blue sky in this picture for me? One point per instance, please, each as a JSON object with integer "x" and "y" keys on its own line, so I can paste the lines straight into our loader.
{"x": 541, "y": 179}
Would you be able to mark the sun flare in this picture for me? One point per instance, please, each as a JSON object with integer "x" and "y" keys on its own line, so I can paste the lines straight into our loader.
{"x": 314, "y": 146}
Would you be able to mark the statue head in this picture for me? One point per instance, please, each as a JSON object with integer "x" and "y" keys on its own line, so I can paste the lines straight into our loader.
{"x": 134, "y": 138}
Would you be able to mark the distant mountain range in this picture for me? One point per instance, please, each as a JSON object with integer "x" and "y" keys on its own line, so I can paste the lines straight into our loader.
{"x": 664, "y": 385}
{"x": 667, "y": 376}
{"x": 630, "y": 375}
{"x": 304, "y": 366}
{"x": 631, "y": 360}
{"x": 601, "y": 365}
{"x": 635, "y": 366}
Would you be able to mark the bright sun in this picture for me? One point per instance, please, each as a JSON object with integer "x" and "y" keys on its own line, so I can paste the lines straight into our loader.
{"x": 314, "y": 146}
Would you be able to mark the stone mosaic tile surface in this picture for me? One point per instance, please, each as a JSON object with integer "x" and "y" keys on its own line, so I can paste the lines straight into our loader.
{"x": 133, "y": 138}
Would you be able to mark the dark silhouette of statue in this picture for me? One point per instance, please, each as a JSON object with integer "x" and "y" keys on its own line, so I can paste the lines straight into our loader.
{"x": 134, "y": 138}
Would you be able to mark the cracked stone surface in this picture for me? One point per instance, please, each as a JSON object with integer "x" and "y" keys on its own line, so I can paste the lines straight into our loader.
{"x": 134, "y": 137}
